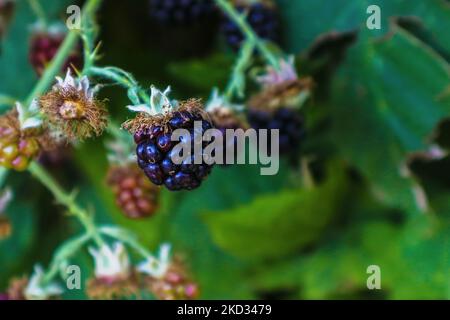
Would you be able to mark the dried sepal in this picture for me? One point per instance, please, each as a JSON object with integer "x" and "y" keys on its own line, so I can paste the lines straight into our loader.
{"x": 223, "y": 113}
{"x": 175, "y": 284}
{"x": 16, "y": 288}
{"x": 114, "y": 277}
{"x": 102, "y": 289}
{"x": 290, "y": 94}
{"x": 144, "y": 120}
{"x": 72, "y": 109}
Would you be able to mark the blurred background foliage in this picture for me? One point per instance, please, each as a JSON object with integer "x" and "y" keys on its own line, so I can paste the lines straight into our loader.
{"x": 381, "y": 102}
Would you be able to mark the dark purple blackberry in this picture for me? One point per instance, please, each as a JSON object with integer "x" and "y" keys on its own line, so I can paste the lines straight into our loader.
{"x": 154, "y": 152}
{"x": 262, "y": 18}
{"x": 180, "y": 12}
{"x": 288, "y": 121}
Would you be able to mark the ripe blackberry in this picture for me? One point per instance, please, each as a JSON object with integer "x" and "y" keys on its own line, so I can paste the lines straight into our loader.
{"x": 43, "y": 47}
{"x": 135, "y": 195}
{"x": 262, "y": 17}
{"x": 276, "y": 106}
{"x": 288, "y": 121}
{"x": 180, "y": 12}
{"x": 155, "y": 150}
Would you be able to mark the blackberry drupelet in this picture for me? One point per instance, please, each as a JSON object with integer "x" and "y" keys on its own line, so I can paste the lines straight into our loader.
{"x": 262, "y": 17}
{"x": 175, "y": 284}
{"x": 288, "y": 121}
{"x": 135, "y": 195}
{"x": 180, "y": 12}
{"x": 17, "y": 148}
{"x": 155, "y": 149}
{"x": 44, "y": 46}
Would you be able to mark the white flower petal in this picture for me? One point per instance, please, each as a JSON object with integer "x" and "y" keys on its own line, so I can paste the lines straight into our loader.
{"x": 31, "y": 123}
{"x": 140, "y": 108}
{"x": 36, "y": 291}
{"x": 111, "y": 262}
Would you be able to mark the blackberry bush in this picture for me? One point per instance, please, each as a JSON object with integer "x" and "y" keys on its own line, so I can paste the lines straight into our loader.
{"x": 261, "y": 16}
{"x": 152, "y": 134}
{"x": 135, "y": 195}
{"x": 180, "y": 12}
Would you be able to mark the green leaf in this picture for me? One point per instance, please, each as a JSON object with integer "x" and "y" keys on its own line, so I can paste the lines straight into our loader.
{"x": 304, "y": 21}
{"x": 203, "y": 74}
{"x": 279, "y": 224}
{"x": 394, "y": 91}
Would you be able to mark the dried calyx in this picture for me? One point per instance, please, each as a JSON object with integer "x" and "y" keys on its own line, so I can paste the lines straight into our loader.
{"x": 72, "y": 109}
{"x": 114, "y": 277}
{"x": 282, "y": 88}
{"x": 223, "y": 113}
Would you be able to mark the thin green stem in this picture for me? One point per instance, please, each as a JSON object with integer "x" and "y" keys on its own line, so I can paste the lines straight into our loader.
{"x": 237, "y": 81}
{"x": 38, "y": 11}
{"x": 127, "y": 238}
{"x": 7, "y": 100}
{"x": 249, "y": 33}
{"x": 63, "y": 253}
{"x": 60, "y": 58}
{"x": 67, "y": 200}
{"x": 120, "y": 77}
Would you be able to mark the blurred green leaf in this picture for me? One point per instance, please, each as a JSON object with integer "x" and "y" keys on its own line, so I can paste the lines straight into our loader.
{"x": 204, "y": 74}
{"x": 393, "y": 110}
{"x": 278, "y": 224}
{"x": 306, "y": 20}
{"x": 17, "y": 75}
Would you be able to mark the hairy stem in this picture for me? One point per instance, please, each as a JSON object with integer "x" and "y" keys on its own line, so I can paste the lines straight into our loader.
{"x": 120, "y": 77}
{"x": 67, "y": 200}
{"x": 63, "y": 253}
{"x": 248, "y": 32}
{"x": 237, "y": 81}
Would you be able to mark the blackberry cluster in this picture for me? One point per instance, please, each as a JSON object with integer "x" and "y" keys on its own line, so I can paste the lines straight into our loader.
{"x": 180, "y": 12}
{"x": 288, "y": 121}
{"x": 135, "y": 195}
{"x": 261, "y": 17}
{"x": 44, "y": 47}
{"x": 174, "y": 285}
{"x": 155, "y": 149}
{"x": 16, "y": 152}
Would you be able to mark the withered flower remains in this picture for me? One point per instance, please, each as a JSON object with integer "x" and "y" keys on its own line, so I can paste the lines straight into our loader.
{"x": 72, "y": 109}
